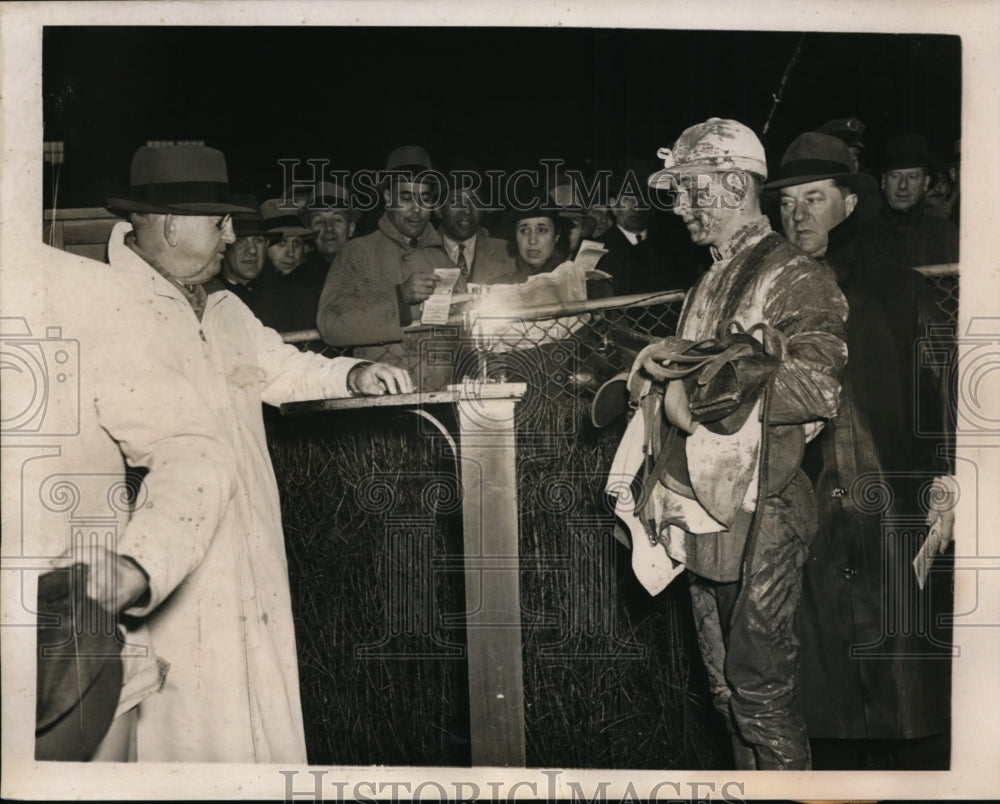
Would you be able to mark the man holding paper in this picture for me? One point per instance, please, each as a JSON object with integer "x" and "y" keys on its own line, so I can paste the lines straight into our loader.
{"x": 875, "y": 667}
{"x": 377, "y": 283}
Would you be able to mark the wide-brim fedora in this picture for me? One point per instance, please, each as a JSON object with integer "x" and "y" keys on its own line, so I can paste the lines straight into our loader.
{"x": 407, "y": 162}
{"x": 251, "y": 224}
{"x": 79, "y": 671}
{"x": 814, "y": 156}
{"x": 279, "y": 219}
{"x": 177, "y": 180}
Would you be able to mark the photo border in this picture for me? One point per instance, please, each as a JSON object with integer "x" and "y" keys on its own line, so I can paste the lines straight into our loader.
{"x": 976, "y": 720}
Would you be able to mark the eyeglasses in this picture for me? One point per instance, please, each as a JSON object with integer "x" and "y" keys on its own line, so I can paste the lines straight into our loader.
{"x": 224, "y": 222}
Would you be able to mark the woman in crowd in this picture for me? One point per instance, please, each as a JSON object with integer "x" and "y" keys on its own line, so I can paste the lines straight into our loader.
{"x": 539, "y": 240}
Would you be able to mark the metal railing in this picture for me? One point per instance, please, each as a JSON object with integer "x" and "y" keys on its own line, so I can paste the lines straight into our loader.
{"x": 565, "y": 350}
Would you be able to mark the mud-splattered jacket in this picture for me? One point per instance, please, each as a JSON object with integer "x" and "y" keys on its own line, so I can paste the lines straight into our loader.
{"x": 800, "y": 299}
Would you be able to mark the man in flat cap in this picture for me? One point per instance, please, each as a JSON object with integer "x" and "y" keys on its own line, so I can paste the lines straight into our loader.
{"x": 744, "y": 547}
{"x": 199, "y": 573}
{"x": 330, "y": 212}
{"x": 872, "y": 707}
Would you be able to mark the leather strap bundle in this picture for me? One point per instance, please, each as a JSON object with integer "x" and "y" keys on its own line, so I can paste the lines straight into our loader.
{"x": 724, "y": 377}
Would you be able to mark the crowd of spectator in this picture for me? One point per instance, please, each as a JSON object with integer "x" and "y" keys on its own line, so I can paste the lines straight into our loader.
{"x": 359, "y": 273}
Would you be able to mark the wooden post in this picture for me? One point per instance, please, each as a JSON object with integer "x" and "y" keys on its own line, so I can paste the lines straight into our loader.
{"x": 492, "y": 582}
{"x": 490, "y": 562}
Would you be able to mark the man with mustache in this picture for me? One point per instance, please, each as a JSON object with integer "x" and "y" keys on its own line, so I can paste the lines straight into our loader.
{"x": 745, "y": 591}
{"x": 377, "y": 283}
{"x": 483, "y": 259}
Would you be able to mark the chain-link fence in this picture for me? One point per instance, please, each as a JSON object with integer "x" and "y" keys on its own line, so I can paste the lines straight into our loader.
{"x": 562, "y": 353}
{"x": 612, "y": 676}
{"x": 943, "y": 280}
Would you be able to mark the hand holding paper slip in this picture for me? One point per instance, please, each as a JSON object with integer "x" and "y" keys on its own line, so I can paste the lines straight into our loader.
{"x": 590, "y": 254}
{"x": 438, "y": 304}
{"x": 941, "y": 521}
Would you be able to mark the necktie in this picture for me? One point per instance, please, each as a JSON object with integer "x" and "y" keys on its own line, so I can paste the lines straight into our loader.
{"x": 413, "y": 242}
{"x": 462, "y": 264}
{"x": 638, "y": 239}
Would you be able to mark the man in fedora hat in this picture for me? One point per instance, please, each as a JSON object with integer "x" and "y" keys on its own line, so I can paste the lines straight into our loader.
{"x": 245, "y": 257}
{"x": 900, "y": 689}
{"x": 579, "y": 224}
{"x": 580, "y": 220}
{"x": 200, "y": 567}
{"x": 819, "y": 191}
{"x": 377, "y": 283}
{"x": 903, "y": 233}
{"x": 248, "y": 273}
{"x": 286, "y": 254}
{"x": 744, "y": 550}
{"x": 288, "y": 299}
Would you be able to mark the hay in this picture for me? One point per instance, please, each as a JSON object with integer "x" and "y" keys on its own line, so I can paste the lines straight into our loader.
{"x": 370, "y": 506}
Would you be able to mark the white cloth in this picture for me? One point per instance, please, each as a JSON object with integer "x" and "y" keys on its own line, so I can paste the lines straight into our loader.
{"x": 652, "y": 566}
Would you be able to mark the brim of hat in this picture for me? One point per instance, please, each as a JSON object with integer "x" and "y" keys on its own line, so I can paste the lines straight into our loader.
{"x": 577, "y": 215}
{"x": 908, "y": 164}
{"x": 665, "y": 179}
{"x": 860, "y": 183}
{"x": 272, "y": 236}
{"x": 513, "y": 216}
{"x": 610, "y": 401}
{"x": 131, "y": 205}
{"x": 350, "y": 213}
{"x": 293, "y": 231}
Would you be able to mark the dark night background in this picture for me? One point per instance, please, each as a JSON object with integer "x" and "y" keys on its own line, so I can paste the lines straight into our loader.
{"x": 505, "y": 97}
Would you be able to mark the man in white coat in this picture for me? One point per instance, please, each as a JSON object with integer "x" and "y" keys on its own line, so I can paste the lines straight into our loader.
{"x": 201, "y": 565}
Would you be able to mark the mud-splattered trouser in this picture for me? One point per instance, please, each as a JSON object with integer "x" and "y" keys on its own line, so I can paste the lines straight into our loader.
{"x": 747, "y": 638}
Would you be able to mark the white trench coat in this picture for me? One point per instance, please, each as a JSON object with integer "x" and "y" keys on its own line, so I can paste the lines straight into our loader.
{"x": 213, "y": 667}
